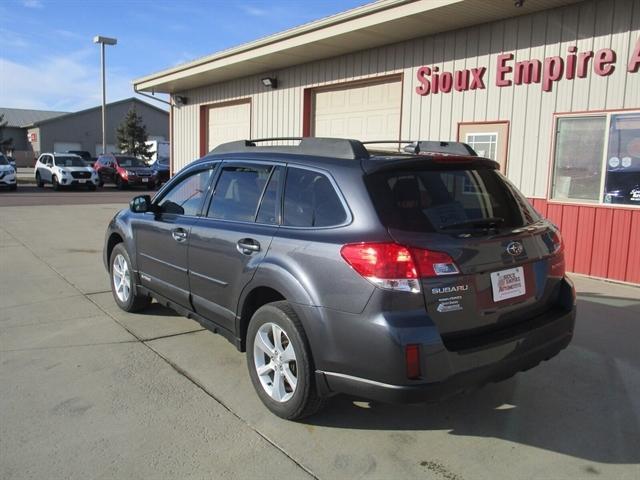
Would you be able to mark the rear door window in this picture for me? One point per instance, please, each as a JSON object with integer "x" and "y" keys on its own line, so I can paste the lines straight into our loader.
{"x": 448, "y": 199}
{"x": 310, "y": 200}
{"x": 238, "y": 192}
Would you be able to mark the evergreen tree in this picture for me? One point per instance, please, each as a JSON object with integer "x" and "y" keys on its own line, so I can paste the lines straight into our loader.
{"x": 132, "y": 135}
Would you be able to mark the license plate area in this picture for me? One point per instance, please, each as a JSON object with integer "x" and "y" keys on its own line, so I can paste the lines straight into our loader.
{"x": 507, "y": 284}
{"x": 145, "y": 180}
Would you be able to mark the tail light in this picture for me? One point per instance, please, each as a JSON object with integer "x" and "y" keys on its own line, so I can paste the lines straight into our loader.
{"x": 557, "y": 266}
{"x": 396, "y": 267}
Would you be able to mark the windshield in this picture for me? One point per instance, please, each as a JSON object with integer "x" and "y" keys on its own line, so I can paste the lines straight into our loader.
{"x": 3, "y": 160}
{"x": 130, "y": 162}
{"x": 448, "y": 200}
{"x": 69, "y": 161}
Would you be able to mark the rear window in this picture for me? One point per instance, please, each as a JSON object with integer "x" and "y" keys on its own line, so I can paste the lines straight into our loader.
{"x": 448, "y": 200}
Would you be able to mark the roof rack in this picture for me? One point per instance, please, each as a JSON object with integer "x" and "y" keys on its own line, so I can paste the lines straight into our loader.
{"x": 429, "y": 146}
{"x": 314, "y": 146}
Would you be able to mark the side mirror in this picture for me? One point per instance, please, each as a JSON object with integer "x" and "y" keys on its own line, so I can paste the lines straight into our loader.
{"x": 140, "y": 204}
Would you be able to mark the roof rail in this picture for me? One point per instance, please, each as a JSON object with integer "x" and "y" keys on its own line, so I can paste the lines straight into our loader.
{"x": 318, "y": 147}
{"x": 428, "y": 146}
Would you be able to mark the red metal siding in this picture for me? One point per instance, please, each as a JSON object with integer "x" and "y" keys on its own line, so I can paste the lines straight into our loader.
{"x": 600, "y": 241}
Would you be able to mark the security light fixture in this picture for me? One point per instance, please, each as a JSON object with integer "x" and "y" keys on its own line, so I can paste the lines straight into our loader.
{"x": 270, "y": 82}
{"x": 180, "y": 100}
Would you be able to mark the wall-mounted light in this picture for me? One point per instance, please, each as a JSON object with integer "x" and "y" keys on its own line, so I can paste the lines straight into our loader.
{"x": 180, "y": 100}
{"x": 270, "y": 82}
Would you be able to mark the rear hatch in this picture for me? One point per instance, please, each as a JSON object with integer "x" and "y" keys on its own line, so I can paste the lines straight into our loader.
{"x": 507, "y": 260}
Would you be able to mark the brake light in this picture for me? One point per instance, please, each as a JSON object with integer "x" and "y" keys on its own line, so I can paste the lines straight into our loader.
{"x": 396, "y": 267}
{"x": 412, "y": 359}
{"x": 434, "y": 264}
{"x": 557, "y": 267}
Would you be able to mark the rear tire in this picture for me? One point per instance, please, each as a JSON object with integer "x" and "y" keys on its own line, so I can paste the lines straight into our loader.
{"x": 123, "y": 284}
{"x": 39, "y": 181}
{"x": 293, "y": 395}
{"x": 55, "y": 183}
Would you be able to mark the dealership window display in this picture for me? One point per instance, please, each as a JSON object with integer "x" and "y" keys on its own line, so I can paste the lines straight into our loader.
{"x": 597, "y": 159}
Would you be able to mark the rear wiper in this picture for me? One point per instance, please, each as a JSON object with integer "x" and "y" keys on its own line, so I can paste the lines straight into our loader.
{"x": 480, "y": 222}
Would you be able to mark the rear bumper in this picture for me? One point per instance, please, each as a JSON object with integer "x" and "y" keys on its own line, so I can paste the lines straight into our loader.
{"x": 524, "y": 353}
{"x": 374, "y": 365}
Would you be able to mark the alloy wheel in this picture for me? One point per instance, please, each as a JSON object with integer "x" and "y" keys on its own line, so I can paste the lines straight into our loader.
{"x": 121, "y": 278}
{"x": 275, "y": 362}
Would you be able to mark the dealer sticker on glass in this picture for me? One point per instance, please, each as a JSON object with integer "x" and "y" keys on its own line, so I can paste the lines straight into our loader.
{"x": 508, "y": 284}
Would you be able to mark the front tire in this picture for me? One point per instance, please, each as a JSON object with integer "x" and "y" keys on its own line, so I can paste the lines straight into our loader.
{"x": 123, "y": 283}
{"x": 13, "y": 187}
{"x": 56, "y": 184}
{"x": 91, "y": 187}
{"x": 119, "y": 183}
{"x": 280, "y": 363}
{"x": 39, "y": 181}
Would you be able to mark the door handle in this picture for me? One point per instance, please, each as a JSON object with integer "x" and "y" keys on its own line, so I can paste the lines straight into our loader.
{"x": 179, "y": 234}
{"x": 247, "y": 246}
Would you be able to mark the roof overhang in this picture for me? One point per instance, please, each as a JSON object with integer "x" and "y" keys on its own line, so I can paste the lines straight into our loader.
{"x": 372, "y": 25}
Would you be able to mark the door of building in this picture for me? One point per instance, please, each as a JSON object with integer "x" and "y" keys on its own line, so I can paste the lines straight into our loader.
{"x": 488, "y": 139}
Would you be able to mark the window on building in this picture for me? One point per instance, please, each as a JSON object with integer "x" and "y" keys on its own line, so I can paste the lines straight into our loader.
{"x": 485, "y": 144}
{"x": 578, "y": 162}
{"x": 597, "y": 159}
{"x": 622, "y": 183}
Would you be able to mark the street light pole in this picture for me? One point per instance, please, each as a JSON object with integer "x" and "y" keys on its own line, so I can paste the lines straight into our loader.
{"x": 104, "y": 41}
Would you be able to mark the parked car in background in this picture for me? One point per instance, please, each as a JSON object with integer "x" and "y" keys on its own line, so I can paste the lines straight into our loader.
{"x": 7, "y": 174}
{"x": 124, "y": 171}
{"x": 396, "y": 277}
{"x": 64, "y": 170}
{"x": 86, "y": 156}
{"x": 160, "y": 170}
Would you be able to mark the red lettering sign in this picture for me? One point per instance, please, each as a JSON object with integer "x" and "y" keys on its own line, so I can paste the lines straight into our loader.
{"x": 525, "y": 72}
{"x": 634, "y": 61}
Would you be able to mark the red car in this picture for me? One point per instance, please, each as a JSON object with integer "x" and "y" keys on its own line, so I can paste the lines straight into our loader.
{"x": 124, "y": 171}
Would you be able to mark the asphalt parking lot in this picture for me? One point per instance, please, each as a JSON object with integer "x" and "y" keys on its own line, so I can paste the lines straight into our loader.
{"x": 89, "y": 391}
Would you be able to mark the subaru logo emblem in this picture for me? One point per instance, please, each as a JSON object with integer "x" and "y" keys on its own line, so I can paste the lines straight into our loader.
{"x": 515, "y": 249}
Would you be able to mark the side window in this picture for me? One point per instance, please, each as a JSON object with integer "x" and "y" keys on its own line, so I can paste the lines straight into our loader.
{"x": 311, "y": 201}
{"x": 268, "y": 211}
{"x": 186, "y": 197}
{"x": 49, "y": 160}
{"x": 238, "y": 192}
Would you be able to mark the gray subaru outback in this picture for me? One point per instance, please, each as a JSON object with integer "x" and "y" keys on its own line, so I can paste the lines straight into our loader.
{"x": 399, "y": 277}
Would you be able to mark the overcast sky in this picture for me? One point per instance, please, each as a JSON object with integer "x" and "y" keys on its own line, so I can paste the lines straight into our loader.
{"x": 48, "y": 60}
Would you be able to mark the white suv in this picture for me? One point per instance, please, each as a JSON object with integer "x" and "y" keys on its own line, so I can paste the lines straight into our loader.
{"x": 64, "y": 169}
{"x": 7, "y": 174}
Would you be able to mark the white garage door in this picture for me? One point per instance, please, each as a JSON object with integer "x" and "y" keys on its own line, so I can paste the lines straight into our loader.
{"x": 228, "y": 123}
{"x": 66, "y": 146}
{"x": 361, "y": 112}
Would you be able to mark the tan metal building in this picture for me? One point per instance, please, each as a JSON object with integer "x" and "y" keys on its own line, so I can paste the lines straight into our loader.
{"x": 550, "y": 89}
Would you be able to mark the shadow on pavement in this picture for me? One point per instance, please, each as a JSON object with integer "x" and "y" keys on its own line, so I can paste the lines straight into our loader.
{"x": 585, "y": 402}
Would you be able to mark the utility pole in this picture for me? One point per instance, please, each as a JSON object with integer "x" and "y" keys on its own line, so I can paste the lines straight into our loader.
{"x": 104, "y": 41}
